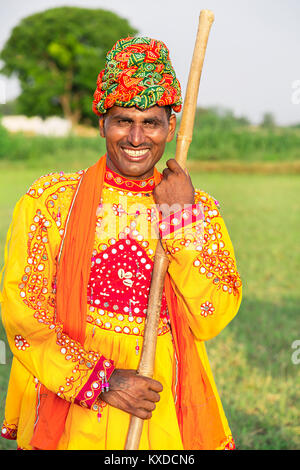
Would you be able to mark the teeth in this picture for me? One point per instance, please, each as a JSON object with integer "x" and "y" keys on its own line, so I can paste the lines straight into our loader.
{"x": 135, "y": 153}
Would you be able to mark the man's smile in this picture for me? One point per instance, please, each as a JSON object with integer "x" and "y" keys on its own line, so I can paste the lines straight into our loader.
{"x": 136, "y": 155}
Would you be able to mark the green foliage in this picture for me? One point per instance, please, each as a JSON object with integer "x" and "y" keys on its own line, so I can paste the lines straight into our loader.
{"x": 30, "y": 149}
{"x": 57, "y": 55}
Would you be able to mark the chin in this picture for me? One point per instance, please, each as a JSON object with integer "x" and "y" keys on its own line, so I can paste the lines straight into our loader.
{"x": 136, "y": 170}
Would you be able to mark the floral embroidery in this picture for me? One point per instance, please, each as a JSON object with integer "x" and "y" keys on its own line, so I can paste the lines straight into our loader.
{"x": 34, "y": 286}
{"x": 85, "y": 362}
{"x": 43, "y": 183}
{"x": 207, "y": 309}
{"x": 21, "y": 343}
{"x": 214, "y": 260}
{"x": 58, "y": 203}
{"x": 118, "y": 209}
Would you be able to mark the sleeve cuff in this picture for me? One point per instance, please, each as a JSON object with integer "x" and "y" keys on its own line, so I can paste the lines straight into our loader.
{"x": 177, "y": 223}
{"x": 93, "y": 387}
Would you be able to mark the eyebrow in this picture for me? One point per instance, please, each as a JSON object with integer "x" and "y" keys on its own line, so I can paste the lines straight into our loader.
{"x": 123, "y": 117}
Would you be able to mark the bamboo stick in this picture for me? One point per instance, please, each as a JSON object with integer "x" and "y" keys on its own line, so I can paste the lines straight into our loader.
{"x": 161, "y": 262}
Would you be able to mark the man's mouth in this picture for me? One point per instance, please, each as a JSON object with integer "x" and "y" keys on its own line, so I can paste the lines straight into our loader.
{"x": 135, "y": 156}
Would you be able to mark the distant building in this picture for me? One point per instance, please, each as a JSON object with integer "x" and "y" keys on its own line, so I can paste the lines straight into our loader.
{"x": 52, "y": 126}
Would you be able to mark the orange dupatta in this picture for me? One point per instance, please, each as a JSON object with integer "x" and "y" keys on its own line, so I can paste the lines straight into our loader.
{"x": 71, "y": 298}
{"x": 197, "y": 410}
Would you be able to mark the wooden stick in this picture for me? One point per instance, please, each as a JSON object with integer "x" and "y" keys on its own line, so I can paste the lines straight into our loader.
{"x": 161, "y": 261}
{"x": 184, "y": 136}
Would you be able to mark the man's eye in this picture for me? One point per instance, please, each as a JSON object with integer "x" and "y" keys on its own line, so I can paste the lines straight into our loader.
{"x": 124, "y": 122}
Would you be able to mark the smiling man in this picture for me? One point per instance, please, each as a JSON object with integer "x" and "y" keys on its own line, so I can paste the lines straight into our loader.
{"x": 136, "y": 139}
{"x": 75, "y": 294}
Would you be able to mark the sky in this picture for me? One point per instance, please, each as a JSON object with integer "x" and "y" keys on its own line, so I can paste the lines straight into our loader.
{"x": 252, "y": 60}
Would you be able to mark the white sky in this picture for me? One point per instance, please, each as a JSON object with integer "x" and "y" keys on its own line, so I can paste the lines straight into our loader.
{"x": 252, "y": 59}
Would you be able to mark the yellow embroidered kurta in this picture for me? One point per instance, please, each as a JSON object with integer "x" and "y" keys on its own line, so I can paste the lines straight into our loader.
{"x": 202, "y": 267}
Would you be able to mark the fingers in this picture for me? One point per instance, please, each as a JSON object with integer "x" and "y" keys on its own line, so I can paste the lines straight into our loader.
{"x": 133, "y": 393}
{"x": 141, "y": 413}
{"x": 153, "y": 396}
{"x": 175, "y": 169}
{"x": 144, "y": 410}
{"x": 153, "y": 384}
{"x": 147, "y": 403}
{"x": 173, "y": 165}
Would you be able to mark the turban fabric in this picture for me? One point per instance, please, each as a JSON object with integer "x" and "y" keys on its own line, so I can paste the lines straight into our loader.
{"x": 138, "y": 72}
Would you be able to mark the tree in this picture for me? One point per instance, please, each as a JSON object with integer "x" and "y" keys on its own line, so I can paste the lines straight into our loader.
{"x": 268, "y": 121}
{"x": 57, "y": 55}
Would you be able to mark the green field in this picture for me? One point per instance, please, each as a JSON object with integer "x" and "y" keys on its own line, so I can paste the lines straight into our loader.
{"x": 251, "y": 358}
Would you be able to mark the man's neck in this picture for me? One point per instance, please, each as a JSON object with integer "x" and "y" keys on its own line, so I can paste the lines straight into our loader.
{"x": 144, "y": 176}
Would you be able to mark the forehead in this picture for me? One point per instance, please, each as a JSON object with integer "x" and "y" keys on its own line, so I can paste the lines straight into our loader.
{"x": 155, "y": 112}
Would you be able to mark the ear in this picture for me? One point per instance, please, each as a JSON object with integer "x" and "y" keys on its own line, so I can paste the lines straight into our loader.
{"x": 101, "y": 126}
{"x": 172, "y": 127}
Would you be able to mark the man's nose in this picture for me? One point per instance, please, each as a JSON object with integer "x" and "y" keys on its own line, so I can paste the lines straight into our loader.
{"x": 136, "y": 135}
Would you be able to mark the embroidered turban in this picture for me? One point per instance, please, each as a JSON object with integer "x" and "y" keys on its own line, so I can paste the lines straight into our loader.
{"x": 138, "y": 72}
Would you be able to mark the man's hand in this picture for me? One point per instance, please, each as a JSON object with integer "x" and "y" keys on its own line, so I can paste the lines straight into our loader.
{"x": 175, "y": 189}
{"x": 132, "y": 393}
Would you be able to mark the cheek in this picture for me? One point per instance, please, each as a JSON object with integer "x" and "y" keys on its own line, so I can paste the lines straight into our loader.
{"x": 160, "y": 140}
{"x": 156, "y": 138}
{"x": 114, "y": 135}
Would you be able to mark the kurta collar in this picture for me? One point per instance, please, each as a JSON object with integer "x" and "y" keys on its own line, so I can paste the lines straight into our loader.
{"x": 120, "y": 182}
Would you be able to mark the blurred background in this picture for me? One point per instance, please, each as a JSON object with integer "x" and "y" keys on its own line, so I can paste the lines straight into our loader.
{"x": 245, "y": 152}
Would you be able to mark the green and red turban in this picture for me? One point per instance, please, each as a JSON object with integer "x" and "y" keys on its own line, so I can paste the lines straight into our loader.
{"x": 138, "y": 72}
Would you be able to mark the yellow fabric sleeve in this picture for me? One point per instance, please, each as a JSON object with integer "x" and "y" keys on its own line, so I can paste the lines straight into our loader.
{"x": 203, "y": 267}
{"x": 28, "y": 308}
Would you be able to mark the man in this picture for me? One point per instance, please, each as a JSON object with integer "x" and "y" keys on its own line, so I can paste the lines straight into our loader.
{"x": 78, "y": 276}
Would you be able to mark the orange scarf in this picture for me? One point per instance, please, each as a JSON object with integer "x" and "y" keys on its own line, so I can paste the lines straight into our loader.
{"x": 197, "y": 410}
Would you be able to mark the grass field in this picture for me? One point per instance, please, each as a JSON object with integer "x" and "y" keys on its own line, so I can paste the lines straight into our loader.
{"x": 251, "y": 358}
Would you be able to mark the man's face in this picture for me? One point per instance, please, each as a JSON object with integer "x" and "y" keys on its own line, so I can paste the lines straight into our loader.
{"x": 135, "y": 139}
